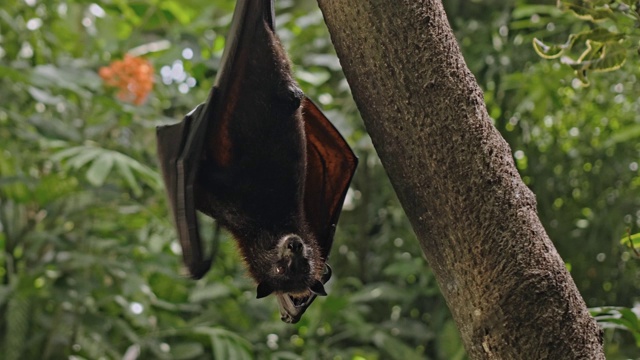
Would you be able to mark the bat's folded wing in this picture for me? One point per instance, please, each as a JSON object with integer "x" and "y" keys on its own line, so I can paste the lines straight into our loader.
{"x": 179, "y": 151}
{"x": 330, "y": 166}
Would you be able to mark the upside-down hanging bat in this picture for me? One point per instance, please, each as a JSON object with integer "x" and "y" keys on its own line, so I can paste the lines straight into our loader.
{"x": 263, "y": 160}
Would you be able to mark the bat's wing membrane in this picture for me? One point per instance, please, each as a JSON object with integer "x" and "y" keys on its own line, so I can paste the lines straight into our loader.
{"x": 330, "y": 166}
{"x": 181, "y": 146}
{"x": 180, "y": 150}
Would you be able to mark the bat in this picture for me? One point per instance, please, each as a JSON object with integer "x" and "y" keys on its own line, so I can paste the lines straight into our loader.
{"x": 260, "y": 158}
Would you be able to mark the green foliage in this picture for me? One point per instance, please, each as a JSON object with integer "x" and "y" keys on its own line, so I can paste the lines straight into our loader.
{"x": 633, "y": 242}
{"x": 618, "y": 318}
{"x": 610, "y": 36}
{"x": 90, "y": 266}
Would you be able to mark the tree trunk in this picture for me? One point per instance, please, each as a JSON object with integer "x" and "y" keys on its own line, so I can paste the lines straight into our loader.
{"x": 508, "y": 290}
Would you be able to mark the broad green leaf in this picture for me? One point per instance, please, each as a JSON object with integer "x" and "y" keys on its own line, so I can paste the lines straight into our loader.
{"x": 66, "y": 153}
{"x": 44, "y": 96}
{"x": 618, "y": 318}
{"x": 81, "y": 159}
{"x": 129, "y": 178}
{"x": 50, "y": 76}
{"x": 99, "y": 169}
{"x": 103, "y": 161}
{"x": 226, "y": 344}
{"x": 186, "y": 351}
{"x": 55, "y": 129}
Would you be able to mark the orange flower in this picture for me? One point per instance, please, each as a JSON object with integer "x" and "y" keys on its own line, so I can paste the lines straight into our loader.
{"x": 133, "y": 76}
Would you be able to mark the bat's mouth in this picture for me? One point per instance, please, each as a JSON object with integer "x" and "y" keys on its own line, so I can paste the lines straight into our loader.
{"x": 293, "y": 307}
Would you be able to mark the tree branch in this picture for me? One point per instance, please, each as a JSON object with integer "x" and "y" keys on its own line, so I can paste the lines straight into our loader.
{"x": 508, "y": 289}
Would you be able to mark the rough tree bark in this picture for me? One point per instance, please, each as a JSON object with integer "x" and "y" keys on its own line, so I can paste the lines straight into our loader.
{"x": 506, "y": 285}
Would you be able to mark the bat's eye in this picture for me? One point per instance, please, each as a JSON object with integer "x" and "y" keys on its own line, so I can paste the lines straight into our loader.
{"x": 279, "y": 269}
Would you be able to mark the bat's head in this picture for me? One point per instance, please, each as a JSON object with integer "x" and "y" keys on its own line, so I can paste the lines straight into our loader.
{"x": 293, "y": 276}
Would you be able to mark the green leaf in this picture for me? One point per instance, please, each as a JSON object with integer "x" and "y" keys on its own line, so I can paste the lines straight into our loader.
{"x": 186, "y": 351}
{"x": 547, "y": 51}
{"x": 631, "y": 240}
{"x": 315, "y": 78}
{"x": 592, "y": 10}
{"x": 129, "y": 178}
{"x": 602, "y": 56}
{"x": 44, "y": 96}
{"x": 618, "y": 318}
{"x": 99, "y": 169}
{"x": 226, "y": 344}
{"x": 178, "y": 10}
{"x": 81, "y": 158}
{"x": 601, "y": 35}
{"x": 394, "y": 347}
{"x": 208, "y": 293}
{"x": 103, "y": 160}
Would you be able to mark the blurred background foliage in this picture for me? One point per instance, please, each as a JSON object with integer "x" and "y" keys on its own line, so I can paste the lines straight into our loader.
{"x": 90, "y": 267}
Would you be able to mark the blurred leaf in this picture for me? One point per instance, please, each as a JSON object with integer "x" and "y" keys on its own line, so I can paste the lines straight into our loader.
{"x": 186, "y": 351}
{"x": 100, "y": 168}
{"x": 226, "y": 344}
{"x": 210, "y": 292}
{"x": 103, "y": 160}
{"x": 183, "y": 14}
{"x": 619, "y": 318}
{"x": 632, "y": 241}
{"x": 394, "y": 347}
{"x": 5, "y": 292}
{"x": 548, "y": 51}
{"x": 44, "y": 96}
{"x": 315, "y": 78}
{"x": 17, "y": 323}
{"x": 593, "y": 10}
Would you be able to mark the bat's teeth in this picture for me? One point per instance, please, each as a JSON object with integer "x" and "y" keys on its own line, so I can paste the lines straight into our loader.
{"x": 299, "y": 302}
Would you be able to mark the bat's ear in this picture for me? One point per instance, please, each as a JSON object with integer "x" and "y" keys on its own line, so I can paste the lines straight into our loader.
{"x": 317, "y": 288}
{"x": 264, "y": 290}
{"x": 327, "y": 273}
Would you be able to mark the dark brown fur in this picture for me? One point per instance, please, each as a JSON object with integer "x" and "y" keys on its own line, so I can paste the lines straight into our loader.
{"x": 266, "y": 145}
{"x": 265, "y": 162}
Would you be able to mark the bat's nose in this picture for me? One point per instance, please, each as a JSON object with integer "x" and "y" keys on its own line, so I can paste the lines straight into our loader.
{"x": 294, "y": 244}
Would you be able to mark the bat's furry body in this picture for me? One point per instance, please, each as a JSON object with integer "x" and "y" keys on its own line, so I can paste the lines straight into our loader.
{"x": 262, "y": 160}
{"x": 266, "y": 146}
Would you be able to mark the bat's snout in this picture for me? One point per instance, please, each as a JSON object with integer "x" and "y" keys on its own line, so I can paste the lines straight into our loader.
{"x": 294, "y": 244}
{"x": 291, "y": 247}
